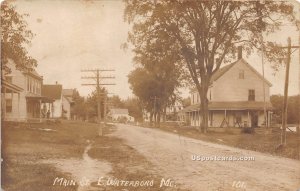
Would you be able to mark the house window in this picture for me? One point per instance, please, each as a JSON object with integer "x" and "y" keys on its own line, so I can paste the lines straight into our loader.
{"x": 241, "y": 74}
{"x": 8, "y": 105}
{"x": 251, "y": 95}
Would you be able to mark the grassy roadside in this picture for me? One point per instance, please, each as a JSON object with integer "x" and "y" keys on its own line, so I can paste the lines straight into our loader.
{"x": 261, "y": 141}
{"x": 23, "y": 148}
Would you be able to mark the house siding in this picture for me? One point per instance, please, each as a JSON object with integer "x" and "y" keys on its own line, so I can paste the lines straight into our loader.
{"x": 66, "y": 107}
{"x": 230, "y": 88}
{"x": 19, "y": 103}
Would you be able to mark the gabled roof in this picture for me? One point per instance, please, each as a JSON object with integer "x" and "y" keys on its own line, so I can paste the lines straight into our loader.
{"x": 69, "y": 99}
{"x": 224, "y": 69}
{"x": 33, "y": 73}
{"x": 119, "y": 111}
{"x": 221, "y": 71}
{"x": 52, "y": 91}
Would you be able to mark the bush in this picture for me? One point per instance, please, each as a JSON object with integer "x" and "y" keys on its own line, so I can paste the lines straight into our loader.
{"x": 248, "y": 130}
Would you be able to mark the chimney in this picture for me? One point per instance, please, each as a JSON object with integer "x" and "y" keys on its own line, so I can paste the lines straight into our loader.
{"x": 240, "y": 52}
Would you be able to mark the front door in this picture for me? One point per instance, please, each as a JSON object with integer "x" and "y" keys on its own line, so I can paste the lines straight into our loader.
{"x": 254, "y": 119}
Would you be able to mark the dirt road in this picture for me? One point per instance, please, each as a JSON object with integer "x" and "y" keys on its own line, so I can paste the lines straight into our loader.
{"x": 172, "y": 155}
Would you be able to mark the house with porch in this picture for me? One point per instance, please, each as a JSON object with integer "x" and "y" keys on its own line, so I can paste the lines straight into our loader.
{"x": 21, "y": 94}
{"x": 54, "y": 92}
{"x": 238, "y": 97}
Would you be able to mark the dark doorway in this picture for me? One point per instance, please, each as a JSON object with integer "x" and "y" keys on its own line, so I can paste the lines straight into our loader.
{"x": 254, "y": 119}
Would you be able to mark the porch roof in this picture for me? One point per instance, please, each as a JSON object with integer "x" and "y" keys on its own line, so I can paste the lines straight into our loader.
{"x": 233, "y": 105}
{"x": 44, "y": 99}
{"x": 10, "y": 88}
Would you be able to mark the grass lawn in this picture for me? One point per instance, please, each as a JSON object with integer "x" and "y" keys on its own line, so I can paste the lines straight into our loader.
{"x": 261, "y": 141}
{"x": 23, "y": 149}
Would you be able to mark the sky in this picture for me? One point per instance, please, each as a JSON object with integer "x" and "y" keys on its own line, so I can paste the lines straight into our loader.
{"x": 74, "y": 35}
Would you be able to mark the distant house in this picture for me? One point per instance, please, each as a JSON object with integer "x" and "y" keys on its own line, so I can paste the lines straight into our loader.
{"x": 119, "y": 115}
{"x": 21, "y": 94}
{"x": 172, "y": 111}
{"x": 55, "y": 93}
{"x": 67, "y": 102}
{"x": 236, "y": 98}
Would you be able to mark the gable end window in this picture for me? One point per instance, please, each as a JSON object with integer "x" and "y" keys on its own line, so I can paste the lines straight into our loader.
{"x": 251, "y": 95}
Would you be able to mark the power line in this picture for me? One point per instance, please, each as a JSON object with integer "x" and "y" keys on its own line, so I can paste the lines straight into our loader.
{"x": 98, "y": 77}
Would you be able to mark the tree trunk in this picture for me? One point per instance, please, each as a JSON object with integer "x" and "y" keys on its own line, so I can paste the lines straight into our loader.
{"x": 151, "y": 121}
{"x": 155, "y": 118}
{"x": 203, "y": 108}
{"x": 204, "y": 115}
{"x": 165, "y": 114}
{"x": 158, "y": 119}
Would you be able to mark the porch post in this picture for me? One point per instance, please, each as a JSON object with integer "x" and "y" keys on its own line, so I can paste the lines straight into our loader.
{"x": 40, "y": 109}
{"x": 198, "y": 113}
{"x": 193, "y": 116}
{"x": 19, "y": 106}
{"x": 26, "y": 117}
{"x": 12, "y": 106}
{"x": 248, "y": 122}
{"x": 198, "y": 117}
{"x": 52, "y": 109}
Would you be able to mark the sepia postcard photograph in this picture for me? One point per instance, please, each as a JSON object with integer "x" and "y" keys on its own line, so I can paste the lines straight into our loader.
{"x": 150, "y": 95}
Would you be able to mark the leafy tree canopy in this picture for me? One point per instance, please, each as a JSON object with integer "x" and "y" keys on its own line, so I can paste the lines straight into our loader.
{"x": 14, "y": 36}
{"x": 204, "y": 34}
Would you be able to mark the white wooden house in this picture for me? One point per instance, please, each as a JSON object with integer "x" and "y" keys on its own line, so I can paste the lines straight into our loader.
{"x": 172, "y": 111}
{"x": 117, "y": 114}
{"x": 236, "y": 98}
{"x": 21, "y": 94}
{"x": 67, "y": 102}
{"x": 53, "y": 91}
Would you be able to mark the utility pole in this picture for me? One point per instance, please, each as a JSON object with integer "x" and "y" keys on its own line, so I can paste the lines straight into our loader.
{"x": 97, "y": 77}
{"x": 286, "y": 89}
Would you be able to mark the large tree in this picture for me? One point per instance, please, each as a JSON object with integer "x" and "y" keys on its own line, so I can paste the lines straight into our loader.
{"x": 80, "y": 108}
{"x": 134, "y": 108}
{"x": 115, "y": 102}
{"x": 206, "y": 32}
{"x": 154, "y": 89}
{"x": 15, "y": 36}
{"x": 158, "y": 74}
{"x": 293, "y": 108}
